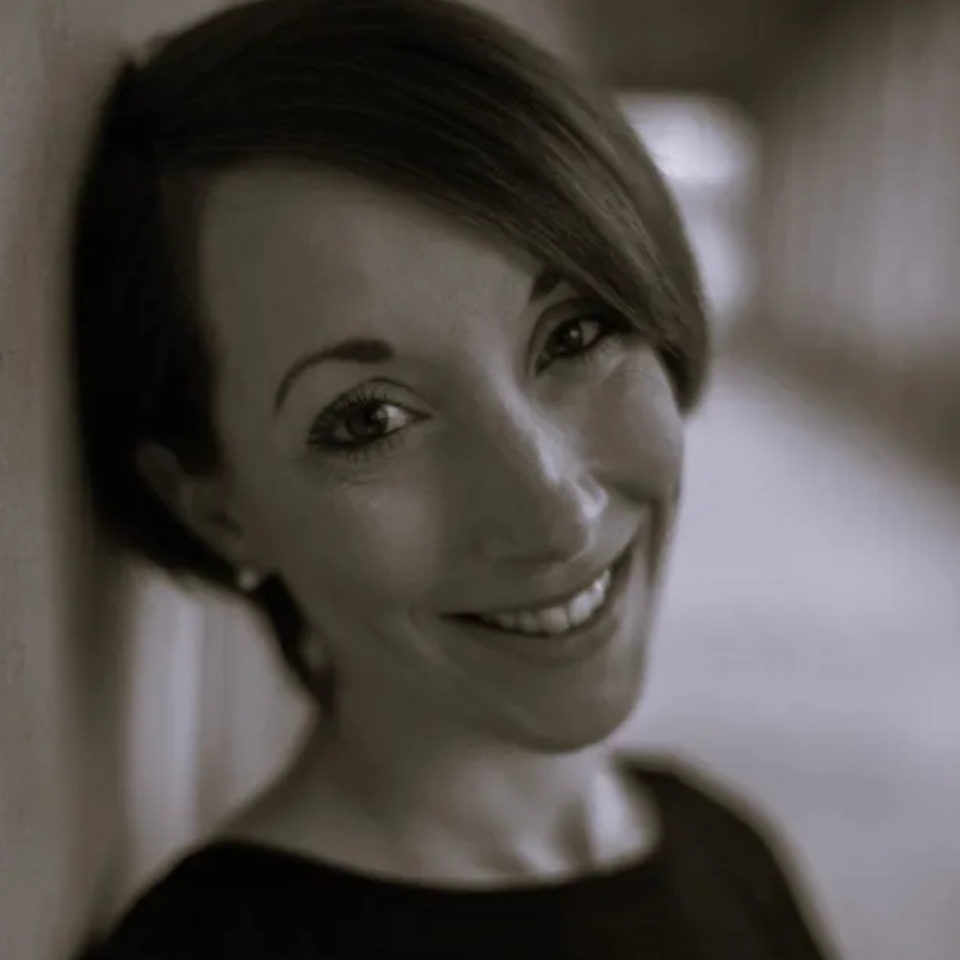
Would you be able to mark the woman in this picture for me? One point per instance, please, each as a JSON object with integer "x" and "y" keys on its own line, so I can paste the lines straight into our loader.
{"x": 385, "y": 321}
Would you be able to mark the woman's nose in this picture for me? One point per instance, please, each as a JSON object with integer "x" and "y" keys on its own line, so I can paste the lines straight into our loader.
{"x": 537, "y": 500}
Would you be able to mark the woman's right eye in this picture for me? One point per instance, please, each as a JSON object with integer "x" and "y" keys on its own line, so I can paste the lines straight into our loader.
{"x": 360, "y": 424}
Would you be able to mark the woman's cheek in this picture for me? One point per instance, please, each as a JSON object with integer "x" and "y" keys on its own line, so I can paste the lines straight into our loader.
{"x": 638, "y": 429}
{"x": 373, "y": 547}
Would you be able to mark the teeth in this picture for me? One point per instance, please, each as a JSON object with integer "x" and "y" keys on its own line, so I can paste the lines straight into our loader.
{"x": 581, "y": 607}
{"x": 528, "y": 622}
{"x": 559, "y": 619}
{"x": 555, "y": 621}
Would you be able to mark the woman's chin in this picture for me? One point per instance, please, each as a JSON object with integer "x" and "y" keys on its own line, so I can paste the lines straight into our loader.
{"x": 579, "y": 727}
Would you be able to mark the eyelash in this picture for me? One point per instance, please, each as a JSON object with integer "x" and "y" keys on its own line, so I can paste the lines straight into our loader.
{"x": 365, "y": 397}
{"x": 611, "y": 335}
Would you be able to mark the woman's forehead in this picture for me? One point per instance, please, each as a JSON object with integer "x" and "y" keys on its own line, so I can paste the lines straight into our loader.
{"x": 292, "y": 258}
{"x": 343, "y": 227}
{"x": 339, "y": 232}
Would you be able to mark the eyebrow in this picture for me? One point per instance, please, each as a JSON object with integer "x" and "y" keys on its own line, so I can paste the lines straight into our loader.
{"x": 545, "y": 284}
{"x": 355, "y": 350}
{"x": 372, "y": 351}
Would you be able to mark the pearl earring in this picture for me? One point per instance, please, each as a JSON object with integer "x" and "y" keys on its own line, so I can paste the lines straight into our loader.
{"x": 314, "y": 653}
{"x": 248, "y": 579}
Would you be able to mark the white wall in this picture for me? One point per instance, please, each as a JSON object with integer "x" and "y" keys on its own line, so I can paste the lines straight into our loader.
{"x": 860, "y": 244}
{"x": 56, "y": 689}
{"x": 807, "y": 653}
{"x": 67, "y": 656}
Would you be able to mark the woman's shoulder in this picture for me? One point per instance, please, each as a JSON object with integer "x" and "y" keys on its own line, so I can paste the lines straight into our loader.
{"x": 690, "y": 792}
{"x": 155, "y": 922}
{"x": 707, "y": 812}
{"x": 731, "y": 855}
{"x": 186, "y": 913}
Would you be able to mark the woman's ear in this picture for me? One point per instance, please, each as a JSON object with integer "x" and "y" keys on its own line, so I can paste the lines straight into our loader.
{"x": 200, "y": 503}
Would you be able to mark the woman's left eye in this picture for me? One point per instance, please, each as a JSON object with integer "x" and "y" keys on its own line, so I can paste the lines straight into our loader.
{"x": 577, "y": 339}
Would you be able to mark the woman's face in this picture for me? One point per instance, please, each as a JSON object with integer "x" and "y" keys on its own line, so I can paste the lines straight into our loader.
{"x": 422, "y": 428}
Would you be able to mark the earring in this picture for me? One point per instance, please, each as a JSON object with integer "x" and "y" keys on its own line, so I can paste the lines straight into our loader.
{"x": 314, "y": 653}
{"x": 248, "y": 579}
{"x": 321, "y": 680}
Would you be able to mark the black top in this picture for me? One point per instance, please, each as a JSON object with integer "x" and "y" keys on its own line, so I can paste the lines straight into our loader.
{"x": 712, "y": 890}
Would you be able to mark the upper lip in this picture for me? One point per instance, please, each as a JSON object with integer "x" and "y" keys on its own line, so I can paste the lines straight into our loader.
{"x": 556, "y": 600}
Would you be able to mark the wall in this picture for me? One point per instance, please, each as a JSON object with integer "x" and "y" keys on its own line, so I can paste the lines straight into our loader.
{"x": 56, "y": 677}
{"x": 79, "y": 632}
{"x": 859, "y": 233}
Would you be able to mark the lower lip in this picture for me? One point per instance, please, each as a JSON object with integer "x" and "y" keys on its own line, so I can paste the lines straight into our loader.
{"x": 578, "y": 644}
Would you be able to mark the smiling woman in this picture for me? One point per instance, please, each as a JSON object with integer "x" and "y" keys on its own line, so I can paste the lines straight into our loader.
{"x": 385, "y": 321}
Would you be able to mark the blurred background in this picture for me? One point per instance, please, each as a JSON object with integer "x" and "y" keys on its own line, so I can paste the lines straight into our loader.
{"x": 809, "y": 650}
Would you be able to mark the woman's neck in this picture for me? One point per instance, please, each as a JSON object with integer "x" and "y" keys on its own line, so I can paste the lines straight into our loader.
{"x": 457, "y": 810}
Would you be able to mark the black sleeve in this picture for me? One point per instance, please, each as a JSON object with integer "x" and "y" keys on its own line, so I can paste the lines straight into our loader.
{"x": 755, "y": 865}
{"x": 114, "y": 949}
{"x": 159, "y": 926}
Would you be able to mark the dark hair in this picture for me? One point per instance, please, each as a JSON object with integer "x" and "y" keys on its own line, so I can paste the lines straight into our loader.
{"x": 424, "y": 95}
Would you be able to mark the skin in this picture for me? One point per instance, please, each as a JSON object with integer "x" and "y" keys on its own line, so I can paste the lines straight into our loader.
{"x": 514, "y": 472}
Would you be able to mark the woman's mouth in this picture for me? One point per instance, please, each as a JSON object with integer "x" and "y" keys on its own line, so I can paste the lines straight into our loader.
{"x": 554, "y": 620}
{"x": 570, "y": 630}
